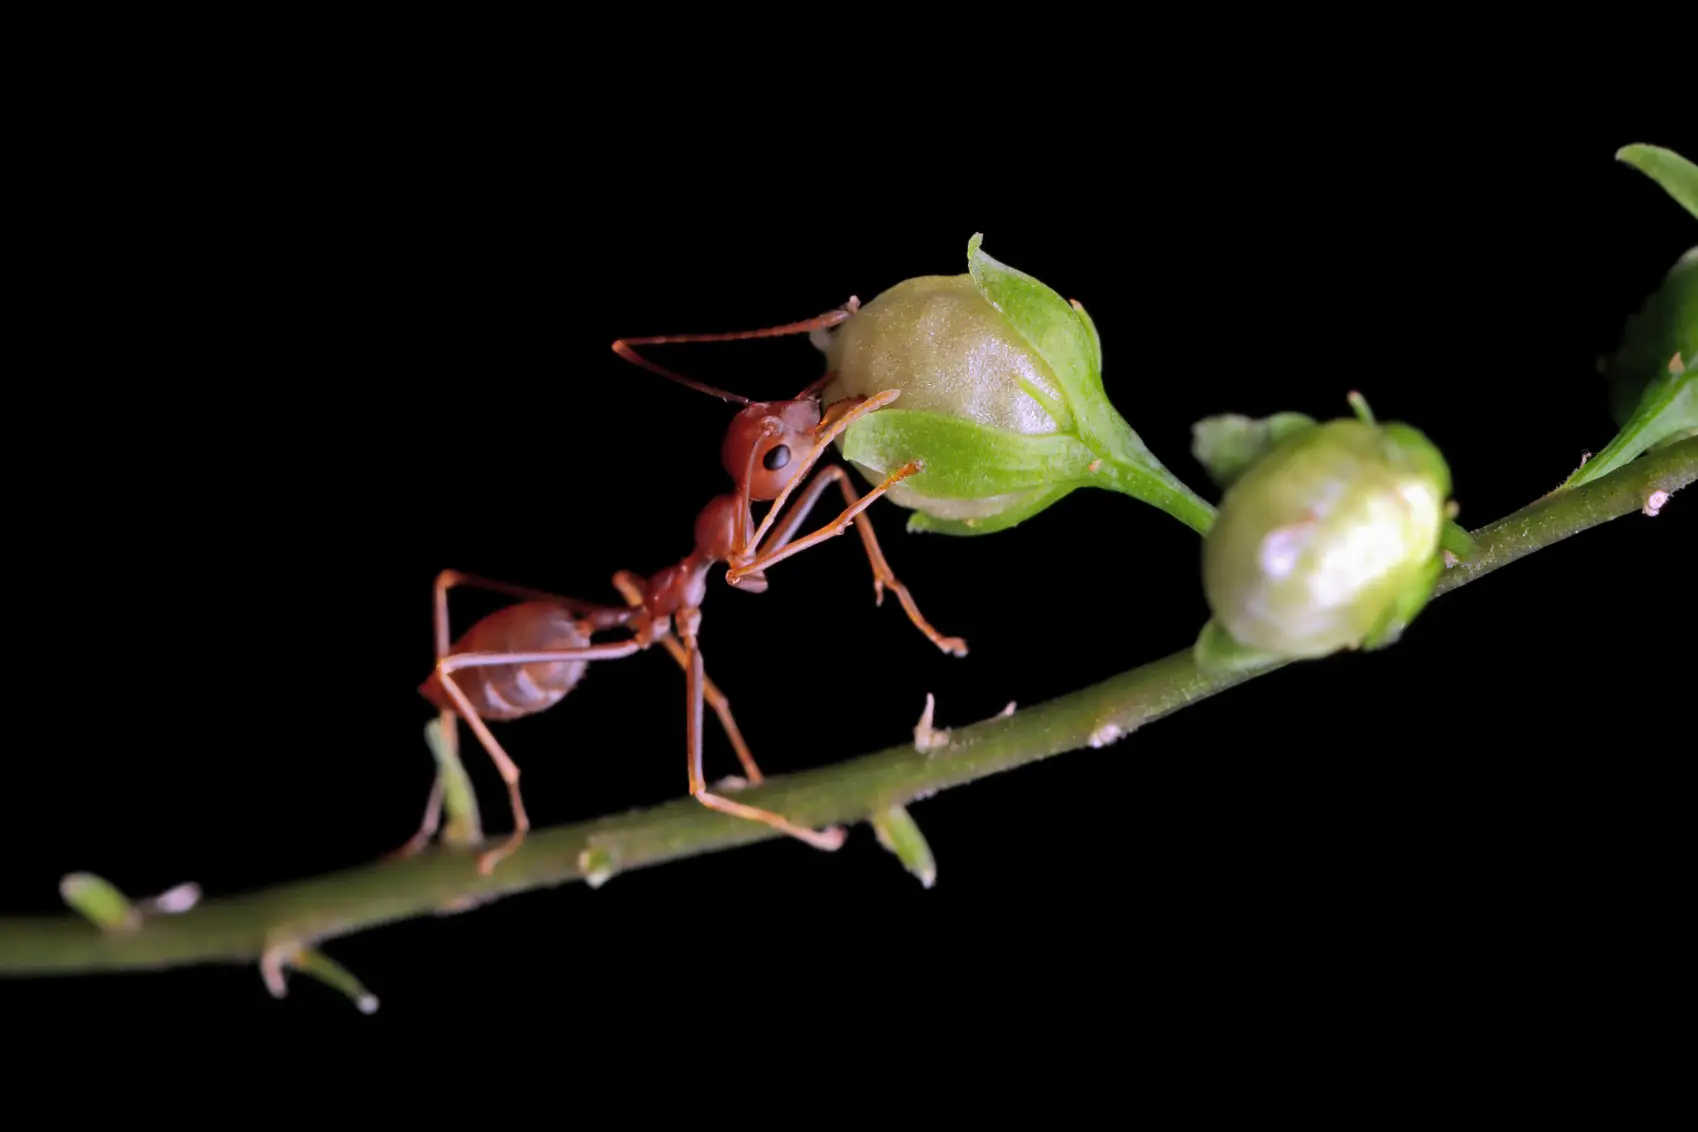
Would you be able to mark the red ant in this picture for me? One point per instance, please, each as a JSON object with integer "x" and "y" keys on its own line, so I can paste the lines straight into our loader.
{"x": 524, "y": 659}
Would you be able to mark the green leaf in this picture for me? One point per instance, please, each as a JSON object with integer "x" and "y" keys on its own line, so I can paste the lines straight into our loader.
{"x": 1668, "y": 410}
{"x": 310, "y": 961}
{"x": 462, "y": 823}
{"x": 921, "y": 523}
{"x": 897, "y": 832}
{"x": 1666, "y": 325}
{"x": 1228, "y": 443}
{"x": 100, "y": 901}
{"x": 963, "y": 459}
{"x": 1677, "y": 175}
{"x": 1066, "y": 342}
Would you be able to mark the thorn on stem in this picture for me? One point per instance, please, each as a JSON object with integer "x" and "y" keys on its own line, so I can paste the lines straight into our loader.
{"x": 596, "y": 863}
{"x": 926, "y": 737}
{"x": 271, "y": 965}
{"x": 1106, "y": 734}
{"x": 174, "y": 901}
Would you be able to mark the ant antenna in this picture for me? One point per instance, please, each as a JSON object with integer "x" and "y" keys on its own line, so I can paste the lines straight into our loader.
{"x": 624, "y": 350}
{"x": 623, "y": 347}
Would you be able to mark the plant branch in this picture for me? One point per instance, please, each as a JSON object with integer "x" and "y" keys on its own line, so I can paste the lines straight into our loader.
{"x": 242, "y": 928}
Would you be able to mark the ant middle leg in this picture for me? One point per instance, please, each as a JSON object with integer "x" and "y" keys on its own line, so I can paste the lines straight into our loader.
{"x": 883, "y": 576}
{"x": 827, "y": 839}
{"x": 631, "y": 587}
{"x": 432, "y": 817}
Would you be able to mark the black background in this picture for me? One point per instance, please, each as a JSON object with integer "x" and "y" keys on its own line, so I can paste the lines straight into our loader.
{"x": 298, "y": 362}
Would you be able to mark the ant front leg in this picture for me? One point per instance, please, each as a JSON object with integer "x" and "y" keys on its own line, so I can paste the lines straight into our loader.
{"x": 828, "y": 839}
{"x": 822, "y": 441}
{"x": 883, "y": 576}
{"x": 448, "y": 665}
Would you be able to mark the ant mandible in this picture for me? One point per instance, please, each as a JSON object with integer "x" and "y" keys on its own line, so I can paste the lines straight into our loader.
{"x": 524, "y": 659}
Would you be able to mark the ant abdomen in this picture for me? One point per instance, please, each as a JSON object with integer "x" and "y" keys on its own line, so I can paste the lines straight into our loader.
{"x": 509, "y": 691}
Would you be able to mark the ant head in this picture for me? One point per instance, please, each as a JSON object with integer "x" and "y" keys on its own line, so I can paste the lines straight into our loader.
{"x": 777, "y": 435}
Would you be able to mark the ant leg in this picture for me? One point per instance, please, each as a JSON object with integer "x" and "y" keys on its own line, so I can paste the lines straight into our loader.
{"x": 448, "y": 665}
{"x": 883, "y": 576}
{"x": 827, "y": 840}
{"x": 432, "y": 818}
{"x": 599, "y": 616}
{"x": 631, "y": 586}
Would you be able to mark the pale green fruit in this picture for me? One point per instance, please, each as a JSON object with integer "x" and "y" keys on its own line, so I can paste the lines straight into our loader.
{"x": 939, "y": 341}
{"x": 1329, "y": 541}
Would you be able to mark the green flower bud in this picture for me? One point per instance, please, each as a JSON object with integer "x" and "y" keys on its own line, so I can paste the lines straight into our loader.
{"x": 1002, "y": 402}
{"x": 1327, "y": 540}
{"x": 938, "y": 340}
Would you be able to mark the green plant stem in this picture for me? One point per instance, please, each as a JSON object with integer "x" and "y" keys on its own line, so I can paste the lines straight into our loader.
{"x": 240, "y": 928}
{"x": 1165, "y": 491}
{"x": 1568, "y": 511}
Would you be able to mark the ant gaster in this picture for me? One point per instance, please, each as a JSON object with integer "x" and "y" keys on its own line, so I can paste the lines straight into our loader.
{"x": 524, "y": 659}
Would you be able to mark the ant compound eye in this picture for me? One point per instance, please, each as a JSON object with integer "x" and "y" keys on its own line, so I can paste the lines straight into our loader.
{"x": 777, "y": 457}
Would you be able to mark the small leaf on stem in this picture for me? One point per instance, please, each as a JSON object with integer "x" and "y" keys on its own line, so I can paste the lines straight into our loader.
{"x": 462, "y": 823}
{"x": 897, "y": 832}
{"x": 101, "y": 901}
{"x": 311, "y": 961}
